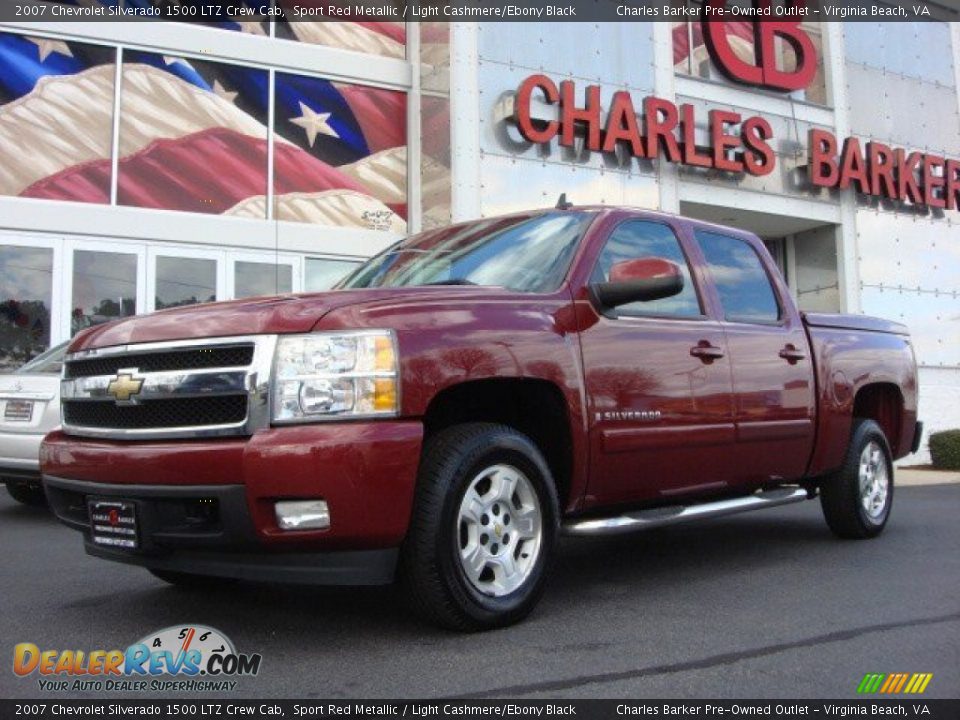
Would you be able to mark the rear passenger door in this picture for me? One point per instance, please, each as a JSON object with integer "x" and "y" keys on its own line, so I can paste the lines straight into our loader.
{"x": 773, "y": 384}
{"x": 658, "y": 382}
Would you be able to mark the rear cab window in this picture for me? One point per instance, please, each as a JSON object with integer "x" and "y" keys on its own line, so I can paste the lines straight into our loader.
{"x": 746, "y": 294}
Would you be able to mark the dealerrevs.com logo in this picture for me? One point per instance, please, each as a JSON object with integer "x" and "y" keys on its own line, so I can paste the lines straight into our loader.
{"x": 178, "y": 658}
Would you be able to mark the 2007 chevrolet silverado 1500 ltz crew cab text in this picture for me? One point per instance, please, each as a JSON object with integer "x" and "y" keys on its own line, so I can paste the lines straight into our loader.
{"x": 466, "y": 396}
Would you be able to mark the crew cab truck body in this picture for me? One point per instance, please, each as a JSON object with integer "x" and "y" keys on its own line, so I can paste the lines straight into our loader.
{"x": 467, "y": 395}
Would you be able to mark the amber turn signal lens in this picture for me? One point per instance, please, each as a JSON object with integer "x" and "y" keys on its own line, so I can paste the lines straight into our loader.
{"x": 385, "y": 359}
{"x": 385, "y": 394}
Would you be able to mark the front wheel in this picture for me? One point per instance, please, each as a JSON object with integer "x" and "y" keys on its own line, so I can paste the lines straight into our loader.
{"x": 483, "y": 530}
{"x": 856, "y": 500}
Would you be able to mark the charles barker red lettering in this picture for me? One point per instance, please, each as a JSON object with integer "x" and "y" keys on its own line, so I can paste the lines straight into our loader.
{"x": 670, "y": 131}
{"x": 893, "y": 173}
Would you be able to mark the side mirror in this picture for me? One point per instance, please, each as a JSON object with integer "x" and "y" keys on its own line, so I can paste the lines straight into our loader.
{"x": 643, "y": 279}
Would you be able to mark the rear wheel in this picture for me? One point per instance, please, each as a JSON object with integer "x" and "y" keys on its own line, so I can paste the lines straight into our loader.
{"x": 856, "y": 501}
{"x": 484, "y": 528}
{"x": 27, "y": 494}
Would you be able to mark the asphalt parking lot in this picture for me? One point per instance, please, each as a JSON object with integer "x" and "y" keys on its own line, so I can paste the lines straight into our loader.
{"x": 765, "y": 605}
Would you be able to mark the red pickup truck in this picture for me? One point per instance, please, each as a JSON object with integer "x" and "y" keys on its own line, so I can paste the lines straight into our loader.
{"x": 465, "y": 397}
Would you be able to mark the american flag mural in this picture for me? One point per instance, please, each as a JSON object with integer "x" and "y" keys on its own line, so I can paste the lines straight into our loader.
{"x": 193, "y": 136}
{"x": 56, "y": 115}
{"x": 377, "y": 38}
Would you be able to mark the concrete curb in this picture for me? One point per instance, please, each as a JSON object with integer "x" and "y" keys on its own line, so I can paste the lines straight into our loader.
{"x": 911, "y": 476}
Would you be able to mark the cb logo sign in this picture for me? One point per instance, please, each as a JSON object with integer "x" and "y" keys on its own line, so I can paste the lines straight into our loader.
{"x": 763, "y": 72}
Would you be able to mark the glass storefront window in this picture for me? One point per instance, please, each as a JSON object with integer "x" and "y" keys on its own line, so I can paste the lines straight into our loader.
{"x": 104, "y": 288}
{"x": 26, "y": 289}
{"x": 235, "y": 15}
{"x": 56, "y": 139}
{"x": 193, "y": 135}
{"x": 323, "y": 274}
{"x": 388, "y": 39}
{"x": 185, "y": 281}
{"x": 690, "y": 55}
{"x": 344, "y": 162}
{"x": 435, "y": 174}
{"x": 255, "y": 278}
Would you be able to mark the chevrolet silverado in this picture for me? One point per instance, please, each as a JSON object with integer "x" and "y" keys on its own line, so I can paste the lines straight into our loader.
{"x": 468, "y": 395}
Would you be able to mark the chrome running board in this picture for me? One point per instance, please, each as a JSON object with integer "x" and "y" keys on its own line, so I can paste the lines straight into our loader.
{"x": 674, "y": 514}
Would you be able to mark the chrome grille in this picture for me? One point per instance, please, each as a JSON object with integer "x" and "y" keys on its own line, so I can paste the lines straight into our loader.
{"x": 176, "y": 412}
{"x": 185, "y": 359}
{"x": 182, "y": 389}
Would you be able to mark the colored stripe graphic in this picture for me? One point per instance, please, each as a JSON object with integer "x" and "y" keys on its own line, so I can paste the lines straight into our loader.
{"x": 894, "y": 683}
{"x": 870, "y": 683}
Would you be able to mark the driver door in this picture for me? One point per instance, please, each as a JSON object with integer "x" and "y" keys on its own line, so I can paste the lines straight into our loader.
{"x": 658, "y": 382}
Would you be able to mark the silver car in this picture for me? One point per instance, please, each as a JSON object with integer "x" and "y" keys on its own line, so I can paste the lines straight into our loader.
{"x": 29, "y": 409}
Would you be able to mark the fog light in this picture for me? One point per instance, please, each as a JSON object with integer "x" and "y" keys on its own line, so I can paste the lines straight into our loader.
{"x": 302, "y": 514}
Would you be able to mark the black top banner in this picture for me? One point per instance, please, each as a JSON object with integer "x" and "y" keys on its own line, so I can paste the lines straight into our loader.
{"x": 480, "y": 10}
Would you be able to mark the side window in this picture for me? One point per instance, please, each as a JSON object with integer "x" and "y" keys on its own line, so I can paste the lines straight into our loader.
{"x": 745, "y": 290}
{"x": 642, "y": 239}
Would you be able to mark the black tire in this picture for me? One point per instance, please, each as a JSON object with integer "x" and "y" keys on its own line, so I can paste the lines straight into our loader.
{"x": 840, "y": 495}
{"x": 431, "y": 572}
{"x": 189, "y": 580}
{"x": 31, "y": 495}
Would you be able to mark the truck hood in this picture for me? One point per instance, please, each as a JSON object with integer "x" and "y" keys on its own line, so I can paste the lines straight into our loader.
{"x": 275, "y": 314}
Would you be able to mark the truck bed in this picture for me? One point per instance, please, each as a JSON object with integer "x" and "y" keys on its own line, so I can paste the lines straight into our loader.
{"x": 854, "y": 322}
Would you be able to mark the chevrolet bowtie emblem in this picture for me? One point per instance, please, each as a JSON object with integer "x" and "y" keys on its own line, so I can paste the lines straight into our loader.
{"x": 124, "y": 386}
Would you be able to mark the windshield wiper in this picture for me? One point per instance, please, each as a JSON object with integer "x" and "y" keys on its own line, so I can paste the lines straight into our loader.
{"x": 452, "y": 281}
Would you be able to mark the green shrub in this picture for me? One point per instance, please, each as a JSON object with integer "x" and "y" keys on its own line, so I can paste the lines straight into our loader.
{"x": 945, "y": 449}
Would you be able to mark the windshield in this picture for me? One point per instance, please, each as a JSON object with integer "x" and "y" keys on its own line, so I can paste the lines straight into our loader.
{"x": 47, "y": 363}
{"x": 525, "y": 253}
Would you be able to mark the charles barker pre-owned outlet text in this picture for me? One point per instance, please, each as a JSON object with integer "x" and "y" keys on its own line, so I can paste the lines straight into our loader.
{"x": 736, "y": 144}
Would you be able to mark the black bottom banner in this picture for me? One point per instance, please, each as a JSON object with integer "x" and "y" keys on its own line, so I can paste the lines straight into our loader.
{"x": 418, "y": 709}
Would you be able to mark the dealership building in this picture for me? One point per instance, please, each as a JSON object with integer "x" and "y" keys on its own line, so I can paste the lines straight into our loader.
{"x": 146, "y": 165}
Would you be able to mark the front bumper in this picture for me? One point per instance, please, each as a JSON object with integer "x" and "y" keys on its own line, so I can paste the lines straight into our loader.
{"x": 207, "y": 506}
{"x": 206, "y": 530}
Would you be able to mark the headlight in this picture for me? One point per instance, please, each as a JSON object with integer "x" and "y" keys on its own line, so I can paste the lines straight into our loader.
{"x": 323, "y": 376}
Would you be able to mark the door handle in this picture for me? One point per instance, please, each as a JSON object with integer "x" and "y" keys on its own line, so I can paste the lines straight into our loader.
{"x": 706, "y": 352}
{"x": 791, "y": 354}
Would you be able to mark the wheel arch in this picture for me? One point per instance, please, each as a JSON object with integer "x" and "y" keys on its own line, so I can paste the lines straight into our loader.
{"x": 537, "y": 408}
{"x": 883, "y": 403}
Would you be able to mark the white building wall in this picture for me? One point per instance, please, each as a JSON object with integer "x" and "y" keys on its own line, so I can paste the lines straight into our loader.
{"x": 902, "y": 91}
{"x": 518, "y": 175}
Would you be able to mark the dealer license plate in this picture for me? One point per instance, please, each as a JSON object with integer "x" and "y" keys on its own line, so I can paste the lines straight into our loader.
{"x": 18, "y": 410}
{"x": 113, "y": 523}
